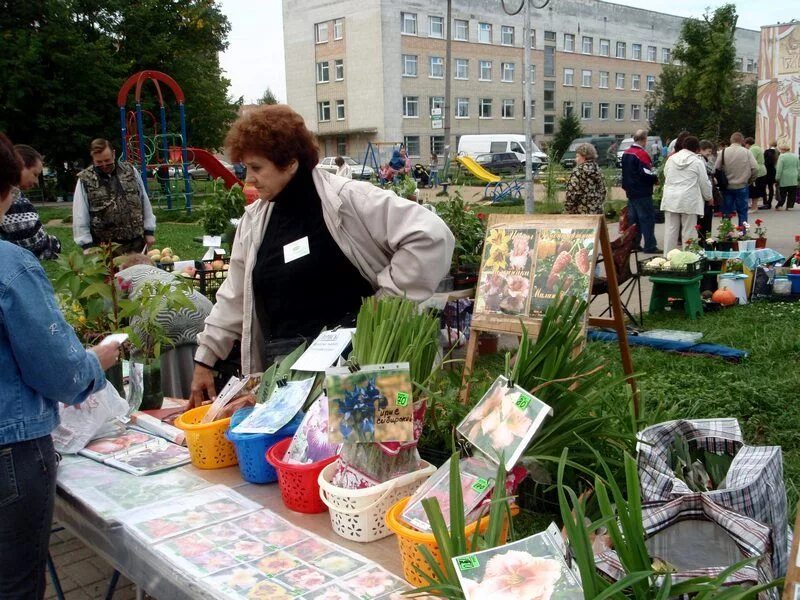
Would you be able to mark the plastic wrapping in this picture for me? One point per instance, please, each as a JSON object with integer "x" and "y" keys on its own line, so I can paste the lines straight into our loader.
{"x": 82, "y": 423}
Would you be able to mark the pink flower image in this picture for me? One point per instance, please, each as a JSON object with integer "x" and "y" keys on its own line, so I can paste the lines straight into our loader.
{"x": 159, "y": 528}
{"x": 311, "y": 549}
{"x": 479, "y": 414}
{"x": 283, "y": 537}
{"x": 276, "y": 563}
{"x": 190, "y": 545}
{"x": 222, "y": 508}
{"x": 224, "y": 532}
{"x": 520, "y": 252}
{"x": 247, "y": 549}
{"x": 512, "y": 423}
{"x": 372, "y": 583}
{"x": 214, "y": 561}
{"x": 332, "y": 593}
{"x": 257, "y": 521}
{"x": 516, "y": 294}
{"x": 305, "y": 578}
{"x": 514, "y": 575}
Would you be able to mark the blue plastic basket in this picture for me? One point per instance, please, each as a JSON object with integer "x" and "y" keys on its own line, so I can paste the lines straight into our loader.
{"x": 251, "y": 448}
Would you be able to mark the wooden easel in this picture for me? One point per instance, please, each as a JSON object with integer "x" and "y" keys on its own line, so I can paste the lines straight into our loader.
{"x": 791, "y": 587}
{"x": 509, "y": 324}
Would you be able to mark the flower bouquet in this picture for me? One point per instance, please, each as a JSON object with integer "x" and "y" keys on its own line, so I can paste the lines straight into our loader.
{"x": 726, "y": 234}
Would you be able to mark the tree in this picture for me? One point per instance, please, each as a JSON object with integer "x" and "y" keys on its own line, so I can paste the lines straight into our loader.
{"x": 569, "y": 128}
{"x": 702, "y": 91}
{"x": 268, "y": 97}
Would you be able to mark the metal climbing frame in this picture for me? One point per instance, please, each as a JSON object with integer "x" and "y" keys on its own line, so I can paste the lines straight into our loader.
{"x": 504, "y": 191}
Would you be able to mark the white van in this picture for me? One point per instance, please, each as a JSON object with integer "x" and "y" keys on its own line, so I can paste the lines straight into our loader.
{"x": 493, "y": 143}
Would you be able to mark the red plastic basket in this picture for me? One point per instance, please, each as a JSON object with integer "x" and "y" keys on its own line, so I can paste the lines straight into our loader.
{"x": 298, "y": 483}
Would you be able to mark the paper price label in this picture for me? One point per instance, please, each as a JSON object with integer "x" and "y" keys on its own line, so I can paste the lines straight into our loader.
{"x": 467, "y": 563}
{"x": 402, "y": 399}
{"x": 480, "y": 485}
{"x": 523, "y": 402}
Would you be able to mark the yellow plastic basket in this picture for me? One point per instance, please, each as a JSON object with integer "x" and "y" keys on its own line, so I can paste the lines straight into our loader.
{"x": 410, "y": 540}
{"x": 208, "y": 446}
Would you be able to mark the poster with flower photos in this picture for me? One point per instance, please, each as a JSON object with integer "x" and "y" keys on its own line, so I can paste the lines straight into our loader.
{"x": 533, "y": 567}
{"x": 503, "y": 422}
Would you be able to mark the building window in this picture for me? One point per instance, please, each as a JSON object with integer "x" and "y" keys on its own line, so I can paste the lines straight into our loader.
{"x": 751, "y": 65}
{"x": 651, "y": 83}
{"x": 740, "y": 62}
{"x": 409, "y": 65}
{"x": 636, "y": 82}
{"x": 485, "y": 73}
{"x": 549, "y": 95}
{"x": 620, "y": 49}
{"x": 586, "y": 78}
{"x": 603, "y": 111}
{"x": 603, "y": 80}
{"x": 338, "y": 69}
{"x": 324, "y": 111}
{"x": 411, "y": 142}
{"x": 436, "y": 103}
{"x": 507, "y": 35}
{"x": 323, "y": 75}
{"x": 636, "y": 112}
{"x": 485, "y": 33}
{"x": 508, "y": 72}
{"x": 533, "y": 73}
{"x": 588, "y": 45}
{"x": 408, "y": 23}
{"x": 666, "y": 55}
{"x": 651, "y": 53}
{"x": 321, "y": 33}
{"x": 549, "y": 61}
{"x": 549, "y": 124}
{"x": 508, "y": 108}
{"x": 411, "y": 106}
{"x": 619, "y": 112}
{"x": 569, "y": 107}
{"x": 338, "y": 29}
{"x": 485, "y": 108}
{"x": 533, "y": 110}
{"x": 436, "y": 27}
{"x": 461, "y": 30}
{"x": 462, "y": 108}
{"x": 341, "y": 145}
{"x": 569, "y": 76}
{"x": 636, "y": 51}
{"x": 569, "y": 42}
{"x": 648, "y": 113}
{"x": 462, "y": 68}
{"x": 605, "y": 47}
{"x": 436, "y": 67}
{"x": 586, "y": 110}
{"x": 620, "y": 81}
{"x": 340, "y": 110}
{"x": 533, "y": 38}
{"x": 437, "y": 145}
{"x": 549, "y": 36}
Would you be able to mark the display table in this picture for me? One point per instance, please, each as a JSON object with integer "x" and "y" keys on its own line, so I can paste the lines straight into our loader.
{"x": 750, "y": 258}
{"x": 149, "y": 570}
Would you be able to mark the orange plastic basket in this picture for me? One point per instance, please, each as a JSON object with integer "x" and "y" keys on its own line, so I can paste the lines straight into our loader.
{"x": 298, "y": 483}
{"x": 410, "y": 539}
{"x": 208, "y": 446}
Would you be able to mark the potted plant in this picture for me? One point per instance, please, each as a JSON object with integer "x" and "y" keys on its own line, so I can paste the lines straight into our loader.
{"x": 469, "y": 230}
{"x": 220, "y": 207}
{"x": 405, "y": 187}
{"x": 726, "y": 235}
{"x": 760, "y": 232}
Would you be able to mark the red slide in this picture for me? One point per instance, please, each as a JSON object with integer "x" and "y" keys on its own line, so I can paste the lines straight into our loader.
{"x": 213, "y": 167}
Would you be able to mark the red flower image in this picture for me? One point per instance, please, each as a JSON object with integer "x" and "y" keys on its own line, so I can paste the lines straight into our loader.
{"x": 698, "y": 227}
{"x": 759, "y": 221}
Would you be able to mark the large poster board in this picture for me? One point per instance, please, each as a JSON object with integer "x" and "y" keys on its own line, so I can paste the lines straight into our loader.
{"x": 778, "y": 104}
{"x": 526, "y": 260}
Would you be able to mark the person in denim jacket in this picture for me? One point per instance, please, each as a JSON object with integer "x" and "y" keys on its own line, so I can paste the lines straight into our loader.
{"x": 42, "y": 363}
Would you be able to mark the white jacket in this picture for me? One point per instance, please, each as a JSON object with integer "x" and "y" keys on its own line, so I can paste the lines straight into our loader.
{"x": 686, "y": 184}
{"x": 402, "y": 248}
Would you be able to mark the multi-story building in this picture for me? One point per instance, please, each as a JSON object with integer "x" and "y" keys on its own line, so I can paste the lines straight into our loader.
{"x": 372, "y": 70}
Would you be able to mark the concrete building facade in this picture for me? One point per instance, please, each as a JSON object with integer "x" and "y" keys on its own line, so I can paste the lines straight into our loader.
{"x": 373, "y": 70}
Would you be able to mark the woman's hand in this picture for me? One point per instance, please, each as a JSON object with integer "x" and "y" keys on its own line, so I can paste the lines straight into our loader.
{"x": 202, "y": 386}
{"x": 107, "y": 354}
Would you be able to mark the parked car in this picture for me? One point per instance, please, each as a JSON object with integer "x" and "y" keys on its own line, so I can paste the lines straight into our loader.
{"x": 486, "y": 143}
{"x": 198, "y": 172}
{"x": 501, "y": 162}
{"x": 359, "y": 171}
{"x": 653, "y": 147}
{"x": 601, "y": 143}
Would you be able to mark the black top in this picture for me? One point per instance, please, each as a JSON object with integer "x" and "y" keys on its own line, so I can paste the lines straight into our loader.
{"x": 323, "y": 288}
{"x": 770, "y": 161}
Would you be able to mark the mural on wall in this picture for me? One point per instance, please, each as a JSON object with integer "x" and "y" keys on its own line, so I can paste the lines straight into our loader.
{"x": 778, "y": 109}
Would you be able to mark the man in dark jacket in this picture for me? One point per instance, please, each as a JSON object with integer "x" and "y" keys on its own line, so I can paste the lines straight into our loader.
{"x": 638, "y": 180}
{"x": 770, "y": 161}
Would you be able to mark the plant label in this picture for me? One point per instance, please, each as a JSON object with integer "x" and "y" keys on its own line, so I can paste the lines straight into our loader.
{"x": 467, "y": 563}
{"x": 297, "y": 249}
{"x": 402, "y": 399}
{"x": 523, "y": 402}
{"x": 480, "y": 485}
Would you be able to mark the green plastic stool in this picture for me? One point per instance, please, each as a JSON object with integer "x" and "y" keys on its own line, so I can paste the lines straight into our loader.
{"x": 687, "y": 288}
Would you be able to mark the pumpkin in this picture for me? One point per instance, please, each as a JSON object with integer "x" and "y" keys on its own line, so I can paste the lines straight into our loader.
{"x": 724, "y": 296}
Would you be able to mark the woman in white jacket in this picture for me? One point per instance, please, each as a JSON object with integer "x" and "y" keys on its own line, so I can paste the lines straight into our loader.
{"x": 686, "y": 190}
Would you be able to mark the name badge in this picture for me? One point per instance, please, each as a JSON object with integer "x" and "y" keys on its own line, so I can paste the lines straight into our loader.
{"x": 295, "y": 250}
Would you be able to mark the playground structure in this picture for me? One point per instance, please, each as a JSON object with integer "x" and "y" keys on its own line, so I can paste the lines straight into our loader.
{"x": 163, "y": 153}
{"x": 496, "y": 189}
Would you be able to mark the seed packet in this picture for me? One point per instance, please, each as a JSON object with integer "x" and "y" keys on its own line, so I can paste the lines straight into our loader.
{"x": 282, "y": 406}
{"x": 504, "y": 421}
{"x": 310, "y": 442}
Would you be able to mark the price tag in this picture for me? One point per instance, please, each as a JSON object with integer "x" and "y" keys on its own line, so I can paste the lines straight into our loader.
{"x": 480, "y": 485}
{"x": 467, "y": 563}
{"x": 402, "y": 399}
{"x": 295, "y": 250}
{"x": 523, "y": 402}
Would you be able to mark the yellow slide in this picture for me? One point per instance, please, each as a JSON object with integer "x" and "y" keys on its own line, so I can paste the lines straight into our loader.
{"x": 477, "y": 170}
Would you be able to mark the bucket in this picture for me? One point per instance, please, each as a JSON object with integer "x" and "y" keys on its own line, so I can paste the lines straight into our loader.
{"x": 360, "y": 515}
{"x": 299, "y": 484}
{"x": 410, "y": 539}
{"x": 735, "y": 283}
{"x": 251, "y": 448}
{"x": 795, "y": 279}
{"x": 747, "y": 245}
{"x": 208, "y": 446}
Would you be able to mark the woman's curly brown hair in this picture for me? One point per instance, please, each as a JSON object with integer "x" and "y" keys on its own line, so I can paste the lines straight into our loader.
{"x": 10, "y": 165}
{"x": 276, "y": 132}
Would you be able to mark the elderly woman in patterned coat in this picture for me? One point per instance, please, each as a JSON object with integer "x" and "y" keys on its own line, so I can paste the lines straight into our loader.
{"x": 586, "y": 188}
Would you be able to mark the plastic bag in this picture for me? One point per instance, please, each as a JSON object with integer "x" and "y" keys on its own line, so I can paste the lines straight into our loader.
{"x": 81, "y": 423}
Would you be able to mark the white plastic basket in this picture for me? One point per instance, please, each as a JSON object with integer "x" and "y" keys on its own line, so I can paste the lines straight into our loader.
{"x": 360, "y": 515}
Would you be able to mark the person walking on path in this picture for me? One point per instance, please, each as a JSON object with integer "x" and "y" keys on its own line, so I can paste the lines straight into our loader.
{"x": 586, "y": 188}
{"x": 770, "y": 162}
{"x": 740, "y": 168}
{"x": 686, "y": 191}
{"x": 787, "y": 173}
{"x": 758, "y": 189}
{"x": 342, "y": 168}
{"x": 638, "y": 180}
{"x": 111, "y": 204}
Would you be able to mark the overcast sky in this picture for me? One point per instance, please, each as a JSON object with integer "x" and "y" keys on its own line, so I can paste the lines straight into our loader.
{"x": 254, "y": 58}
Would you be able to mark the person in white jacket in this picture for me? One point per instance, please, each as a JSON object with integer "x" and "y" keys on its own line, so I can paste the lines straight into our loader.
{"x": 686, "y": 190}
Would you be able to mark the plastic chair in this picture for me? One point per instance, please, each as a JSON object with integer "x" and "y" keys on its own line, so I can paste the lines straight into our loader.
{"x": 628, "y": 280}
